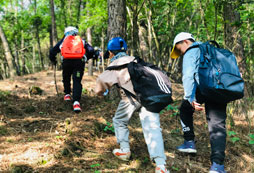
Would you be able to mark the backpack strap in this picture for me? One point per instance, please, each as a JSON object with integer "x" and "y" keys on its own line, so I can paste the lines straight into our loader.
{"x": 117, "y": 67}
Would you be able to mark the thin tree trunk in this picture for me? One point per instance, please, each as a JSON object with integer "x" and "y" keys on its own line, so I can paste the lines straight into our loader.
{"x": 63, "y": 12}
{"x": 7, "y": 52}
{"x": 203, "y": 19}
{"x": 90, "y": 61}
{"x": 102, "y": 48}
{"x": 149, "y": 36}
{"x": 37, "y": 36}
{"x": 33, "y": 62}
{"x": 143, "y": 44}
{"x": 79, "y": 9}
{"x": 53, "y": 22}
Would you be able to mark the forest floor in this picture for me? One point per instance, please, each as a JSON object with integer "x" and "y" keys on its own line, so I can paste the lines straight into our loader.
{"x": 40, "y": 133}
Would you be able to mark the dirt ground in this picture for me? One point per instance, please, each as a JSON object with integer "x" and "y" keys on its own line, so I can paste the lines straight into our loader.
{"x": 40, "y": 133}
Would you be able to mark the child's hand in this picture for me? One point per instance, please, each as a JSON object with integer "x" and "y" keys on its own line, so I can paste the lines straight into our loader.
{"x": 197, "y": 106}
{"x": 106, "y": 92}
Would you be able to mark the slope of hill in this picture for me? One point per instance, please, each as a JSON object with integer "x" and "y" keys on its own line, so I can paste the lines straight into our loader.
{"x": 40, "y": 133}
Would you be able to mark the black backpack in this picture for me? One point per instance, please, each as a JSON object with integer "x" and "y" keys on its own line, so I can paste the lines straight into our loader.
{"x": 219, "y": 76}
{"x": 151, "y": 85}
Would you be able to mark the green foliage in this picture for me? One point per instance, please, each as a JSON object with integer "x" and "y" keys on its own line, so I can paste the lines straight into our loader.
{"x": 109, "y": 127}
{"x": 251, "y": 141}
{"x": 233, "y": 136}
{"x": 4, "y": 95}
{"x": 95, "y": 165}
{"x": 3, "y": 130}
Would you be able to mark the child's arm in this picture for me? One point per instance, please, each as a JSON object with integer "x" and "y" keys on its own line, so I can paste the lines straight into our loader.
{"x": 105, "y": 81}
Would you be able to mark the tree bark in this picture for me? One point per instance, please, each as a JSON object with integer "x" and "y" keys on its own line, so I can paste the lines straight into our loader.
{"x": 90, "y": 61}
{"x": 116, "y": 19}
{"x": 133, "y": 15}
{"x": 7, "y": 51}
{"x": 53, "y": 22}
{"x": 37, "y": 23}
{"x": 233, "y": 39}
{"x": 117, "y": 25}
{"x": 80, "y": 7}
{"x": 232, "y": 35}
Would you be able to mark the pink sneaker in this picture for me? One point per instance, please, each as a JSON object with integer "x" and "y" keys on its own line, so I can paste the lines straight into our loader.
{"x": 76, "y": 107}
{"x": 67, "y": 97}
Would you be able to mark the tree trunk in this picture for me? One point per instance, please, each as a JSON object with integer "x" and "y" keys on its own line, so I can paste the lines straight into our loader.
{"x": 142, "y": 43}
{"x": 7, "y": 51}
{"x": 102, "y": 48}
{"x": 37, "y": 23}
{"x": 117, "y": 19}
{"x": 53, "y": 22}
{"x": 232, "y": 35}
{"x": 149, "y": 32}
{"x": 117, "y": 24}
{"x": 233, "y": 40}
{"x": 90, "y": 61}
{"x": 63, "y": 13}
{"x": 79, "y": 9}
{"x": 134, "y": 28}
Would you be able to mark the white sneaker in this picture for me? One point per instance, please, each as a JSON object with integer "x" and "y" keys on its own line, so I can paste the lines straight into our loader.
{"x": 123, "y": 155}
{"x": 161, "y": 169}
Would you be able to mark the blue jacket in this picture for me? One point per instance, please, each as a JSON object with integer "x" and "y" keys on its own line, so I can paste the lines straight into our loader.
{"x": 190, "y": 72}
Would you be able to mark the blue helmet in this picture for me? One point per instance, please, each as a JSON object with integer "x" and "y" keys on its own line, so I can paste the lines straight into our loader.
{"x": 117, "y": 43}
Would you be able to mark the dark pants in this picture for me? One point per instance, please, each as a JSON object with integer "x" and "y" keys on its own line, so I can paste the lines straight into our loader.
{"x": 74, "y": 68}
{"x": 216, "y": 118}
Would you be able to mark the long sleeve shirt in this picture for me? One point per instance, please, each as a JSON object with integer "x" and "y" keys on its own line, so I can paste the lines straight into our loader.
{"x": 190, "y": 72}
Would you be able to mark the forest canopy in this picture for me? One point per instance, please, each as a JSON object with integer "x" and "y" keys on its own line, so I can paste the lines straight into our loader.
{"x": 29, "y": 28}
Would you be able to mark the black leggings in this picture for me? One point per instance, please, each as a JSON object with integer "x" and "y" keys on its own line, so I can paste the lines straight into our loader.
{"x": 74, "y": 68}
{"x": 216, "y": 119}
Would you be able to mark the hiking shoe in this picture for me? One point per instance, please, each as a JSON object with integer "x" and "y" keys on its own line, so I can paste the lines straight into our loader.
{"x": 161, "y": 169}
{"x": 123, "y": 155}
{"x": 187, "y": 147}
{"x": 216, "y": 168}
{"x": 67, "y": 97}
{"x": 76, "y": 107}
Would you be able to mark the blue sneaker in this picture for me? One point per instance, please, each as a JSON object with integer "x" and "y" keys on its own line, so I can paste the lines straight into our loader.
{"x": 216, "y": 168}
{"x": 187, "y": 147}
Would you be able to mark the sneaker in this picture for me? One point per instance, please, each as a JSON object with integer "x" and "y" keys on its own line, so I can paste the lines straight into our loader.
{"x": 161, "y": 169}
{"x": 122, "y": 155}
{"x": 216, "y": 168}
{"x": 187, "y": 147}
{"x": 76, "y": 107}
{"x": 67, "y": 97}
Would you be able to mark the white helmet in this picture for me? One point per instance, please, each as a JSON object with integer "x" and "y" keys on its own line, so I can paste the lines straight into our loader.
{"x": 70, "y": 28}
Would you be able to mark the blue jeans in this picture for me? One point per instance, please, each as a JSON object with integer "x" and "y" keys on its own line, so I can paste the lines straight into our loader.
{"x": 150, "y": 124}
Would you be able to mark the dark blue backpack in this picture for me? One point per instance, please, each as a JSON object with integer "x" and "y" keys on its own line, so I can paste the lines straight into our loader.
{"x": 219, "y": 76}
{"x": 151, "y": 85}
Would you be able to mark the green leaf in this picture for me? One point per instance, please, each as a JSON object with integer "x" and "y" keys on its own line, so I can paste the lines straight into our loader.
{"x": 235, "y": 139}
{"x": 95, "y": 165}
{"x": 231, "y": 133}
{"x": 251, "y": 136}
{"x": 251, "y": 142}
